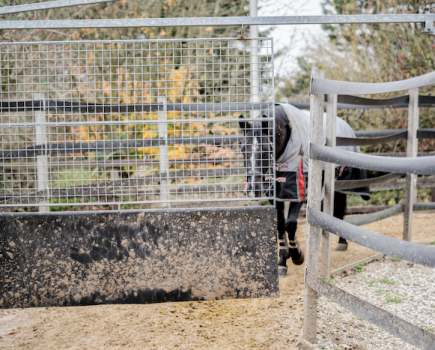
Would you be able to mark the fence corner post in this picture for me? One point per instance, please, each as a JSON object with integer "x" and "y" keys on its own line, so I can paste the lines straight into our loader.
{"x": 328, "y": 201}
{"x": 411, "y": 151}
{"x": 314, "y": 201}
{"x": 41, "y": 160}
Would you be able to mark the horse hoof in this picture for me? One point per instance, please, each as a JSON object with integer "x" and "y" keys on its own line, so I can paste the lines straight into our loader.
{"x": 341, "y": 247}
{"x": 300, "y": 260}
{"x": 282, "y": 271}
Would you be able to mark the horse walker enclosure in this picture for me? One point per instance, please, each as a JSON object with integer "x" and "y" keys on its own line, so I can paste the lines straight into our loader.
{"x": 321, "y": 224}
{"x": 151, "y": 128}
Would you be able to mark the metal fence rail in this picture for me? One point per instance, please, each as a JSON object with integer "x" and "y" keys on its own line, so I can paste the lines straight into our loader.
{"x": 393, "y": 324}
{"x": 427, "y": 19}
{"x": 417, "y": 253}
{"x": 161, "y": 112}
{"x": 318, "y": 221}
{"x": 47, "y": 5}
{"x": 419, "y": 166}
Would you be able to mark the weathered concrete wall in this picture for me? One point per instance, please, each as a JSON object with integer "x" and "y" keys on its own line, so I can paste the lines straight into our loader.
{"x": 85, "y": 258}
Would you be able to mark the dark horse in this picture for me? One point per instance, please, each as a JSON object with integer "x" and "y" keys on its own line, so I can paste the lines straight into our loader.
{"x": 291, "y": 140}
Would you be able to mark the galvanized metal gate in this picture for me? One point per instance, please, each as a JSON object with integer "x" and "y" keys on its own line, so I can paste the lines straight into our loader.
{"x": 122, "y": 122}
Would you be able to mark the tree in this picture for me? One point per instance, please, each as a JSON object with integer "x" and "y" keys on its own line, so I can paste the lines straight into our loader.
{"x": 373, "y": 53}
{"x": 129, "y": 9}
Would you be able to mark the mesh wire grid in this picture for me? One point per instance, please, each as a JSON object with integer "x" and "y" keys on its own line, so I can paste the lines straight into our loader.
{"x": 123, "y": 122}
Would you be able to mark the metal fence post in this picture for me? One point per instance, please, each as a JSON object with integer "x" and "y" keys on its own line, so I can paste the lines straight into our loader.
{"x": 328, "y": 201}
{"x": 255, "y": 82}
{"x": 411, "y": 151}
{"x": 163, "y": 151}
{"x": 42, "y": 160}
{"x": 314, "y": 199}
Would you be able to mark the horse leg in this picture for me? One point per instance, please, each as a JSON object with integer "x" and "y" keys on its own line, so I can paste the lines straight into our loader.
{"x": 283, "y": 246}
{"x": 339, "y": 209}
{"x": 291, "y": 225}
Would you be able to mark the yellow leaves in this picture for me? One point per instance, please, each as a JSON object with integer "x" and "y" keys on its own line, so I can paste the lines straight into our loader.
{"x": 150, "y": 134}
{"x": 200, "y": 126}
{"x": 178, "y": 153}
{"x": 208, "y": 29}
{"x": 153, "y": 151}
{"x": 84, "y": 133}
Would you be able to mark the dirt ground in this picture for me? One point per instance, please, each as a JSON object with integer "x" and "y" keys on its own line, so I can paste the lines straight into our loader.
{"x": 234, "y": 324}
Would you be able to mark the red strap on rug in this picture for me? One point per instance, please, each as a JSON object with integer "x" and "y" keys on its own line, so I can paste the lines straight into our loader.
{"x": 301, "y": 181}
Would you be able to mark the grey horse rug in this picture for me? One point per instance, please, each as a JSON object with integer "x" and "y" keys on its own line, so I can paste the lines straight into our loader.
{"x": 292, "y": 165}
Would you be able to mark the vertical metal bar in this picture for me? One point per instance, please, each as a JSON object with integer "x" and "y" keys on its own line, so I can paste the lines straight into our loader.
{"x": 411, "y": 151}
{"x": 255, "y": 86}
{"x": 272, "y": 94}
{"x": 163, "y": 151}
{"x": 328, "y": 201}
{"x": 41, "y": 161}
{"x": 314, "y": 198}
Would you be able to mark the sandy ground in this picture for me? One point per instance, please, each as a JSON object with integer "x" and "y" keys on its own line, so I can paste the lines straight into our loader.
{"x": 234, "y": 324}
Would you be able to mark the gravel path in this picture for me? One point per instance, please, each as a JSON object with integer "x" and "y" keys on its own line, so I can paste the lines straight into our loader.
{"x": 403, "y": 288}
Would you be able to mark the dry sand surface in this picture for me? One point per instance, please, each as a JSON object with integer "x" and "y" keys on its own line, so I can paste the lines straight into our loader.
{"x": 231, "y": 324}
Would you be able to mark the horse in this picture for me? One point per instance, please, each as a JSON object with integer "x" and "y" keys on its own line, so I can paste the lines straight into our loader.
{"x": 291, "y": 174}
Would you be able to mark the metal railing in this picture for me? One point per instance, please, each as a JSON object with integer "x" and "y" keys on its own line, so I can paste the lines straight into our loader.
{"x": 321, "y": 225}
{"x": 427, "y": 19}
{"x": 125, "y": 122}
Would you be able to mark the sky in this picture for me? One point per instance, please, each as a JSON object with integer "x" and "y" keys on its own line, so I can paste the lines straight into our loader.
{"x": 282, "y": 35}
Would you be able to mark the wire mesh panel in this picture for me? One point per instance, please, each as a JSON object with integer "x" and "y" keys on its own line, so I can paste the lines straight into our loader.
{"x": 105, "y": 122}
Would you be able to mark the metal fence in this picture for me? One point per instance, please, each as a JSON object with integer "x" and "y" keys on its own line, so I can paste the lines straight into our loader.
{"x": 320, "y": 225}
{"x": 146, "y": 121}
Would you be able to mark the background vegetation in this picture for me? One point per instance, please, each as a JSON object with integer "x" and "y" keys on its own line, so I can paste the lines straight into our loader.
{"x": 371, "y": 53}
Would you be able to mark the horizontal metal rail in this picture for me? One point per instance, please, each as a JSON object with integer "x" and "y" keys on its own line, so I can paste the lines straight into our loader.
{"x": 381, "y": 318}
{"x": 424, "y": 206}
{"x": 216, "y": 21}
{"x": 348, "y": 141}
{"x": 127, "y": 122}
{"x": 377, "y": 216}
{"x": 425, "y": 133}
{"x": 398, "y": 184}
{"x": 85, "y": 107}
{"x": 377, "y": 208}
{"x": 117, "y": 193}
{"x": 354, "y": 102}
{"x": 401, "y": 154}
{"x": 418, "y": 166}
{"x": 119, "y": 163}
{"x": 326, "y": 86}
{"x": 372, "y": 102}
{"x": 7, "y": 10}
{"x": 395, "y": 102}
{"x": 349, "y": 184}
{"x": 419, "y": 254}
{"x": 83, "y": 147}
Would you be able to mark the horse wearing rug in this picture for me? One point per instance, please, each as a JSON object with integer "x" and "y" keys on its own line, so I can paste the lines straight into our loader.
{"x": 292, "y": 129}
